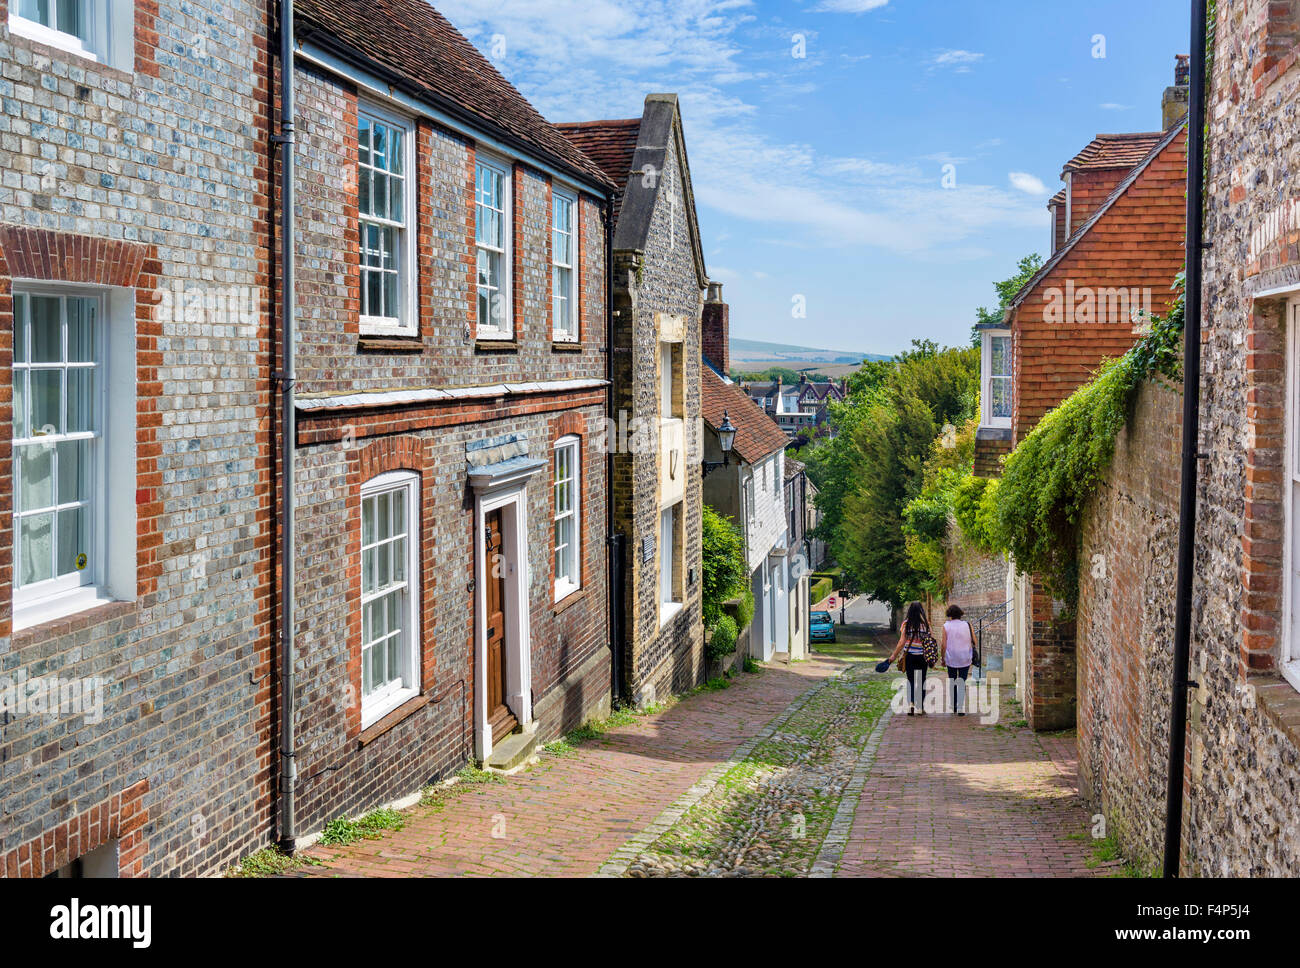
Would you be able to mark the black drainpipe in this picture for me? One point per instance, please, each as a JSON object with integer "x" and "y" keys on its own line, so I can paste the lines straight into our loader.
{"x": 614, "y": 542}
{"x": 1191, "y": 444}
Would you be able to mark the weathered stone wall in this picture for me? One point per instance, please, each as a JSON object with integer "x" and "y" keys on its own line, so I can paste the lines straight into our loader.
{"x": 658, "y": 661}
{"x": 977, "y": 583}
{"x": 1243, "y": 812}
{"x": 1125, "y": 625}
{"x": 141, "y": 178}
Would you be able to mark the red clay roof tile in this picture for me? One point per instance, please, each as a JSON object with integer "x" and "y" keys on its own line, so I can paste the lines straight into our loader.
{"x": 757, "y": 434}
{"x": 413, "y": 42}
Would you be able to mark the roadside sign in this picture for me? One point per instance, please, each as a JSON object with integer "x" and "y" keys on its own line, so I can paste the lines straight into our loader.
{"x": 830, "y": 603}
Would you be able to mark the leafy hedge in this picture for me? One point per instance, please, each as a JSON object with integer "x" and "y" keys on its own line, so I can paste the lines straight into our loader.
{"x": 1033, "y": 511}
{"x": 821, "y": 588}
{"x": 723, "y": 642}
{"x": 726, "y": 573}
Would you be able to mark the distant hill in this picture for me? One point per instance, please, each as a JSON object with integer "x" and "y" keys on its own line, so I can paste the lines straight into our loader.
{"x": 752, "y": 350}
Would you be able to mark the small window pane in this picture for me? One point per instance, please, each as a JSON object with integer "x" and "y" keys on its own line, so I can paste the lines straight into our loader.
{"x": 74, "y": 542}
{"x": 20, "y": 403}
{"x": 73, "y": 459}
{"x": 81, "y": 330}
{"x": 46, "y": 403}
{"x": 81, "y": 400}
{"x": 36, "y": 548}
{"x": 36, "y": 477}
{"x": 20, "y": 328}
{"x": 38, "y": 10}
{"x": 46, "y": 335}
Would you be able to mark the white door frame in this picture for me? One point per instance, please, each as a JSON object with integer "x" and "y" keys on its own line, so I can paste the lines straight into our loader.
{"x": 512, "y": 502}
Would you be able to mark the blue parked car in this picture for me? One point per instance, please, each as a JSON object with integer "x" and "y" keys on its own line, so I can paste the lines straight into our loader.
{"x": 821, "y": 627}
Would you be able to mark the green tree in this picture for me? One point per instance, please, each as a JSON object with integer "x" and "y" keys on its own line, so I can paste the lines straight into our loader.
{"x": 873, "y": 468}
{"x": 725, "y": 569}
{"x": 1007, "y": 290}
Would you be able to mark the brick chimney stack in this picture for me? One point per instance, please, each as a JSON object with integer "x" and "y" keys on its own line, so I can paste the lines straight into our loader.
{"x": 715, "y": 335}
{"x": 1173, "y": 106}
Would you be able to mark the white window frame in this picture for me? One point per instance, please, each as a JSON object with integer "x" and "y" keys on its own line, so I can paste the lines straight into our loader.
{"x": 64, "y": 595}
{"x": 506, "y": 330}
{"x": 99, "y": 44}
{"x": 667, "y": 380}
{"x": 406, "y": 485}
{"x": 406, "y": 322}
{"x": 986, "y": 377}
{"x": 566, "y": 330}
{"x": 566, "y": 585}
{"x": 669, "y": 604}
{"x": 1290, "y": 665}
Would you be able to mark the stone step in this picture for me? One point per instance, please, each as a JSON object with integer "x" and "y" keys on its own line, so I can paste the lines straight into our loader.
{"x": 514, "y": 752}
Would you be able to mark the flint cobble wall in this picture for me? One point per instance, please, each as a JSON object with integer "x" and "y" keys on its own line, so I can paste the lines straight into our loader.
{"x": 149, "y": 178}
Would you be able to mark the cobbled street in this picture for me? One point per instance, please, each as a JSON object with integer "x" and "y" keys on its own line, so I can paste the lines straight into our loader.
{"x": 790, "y": 771}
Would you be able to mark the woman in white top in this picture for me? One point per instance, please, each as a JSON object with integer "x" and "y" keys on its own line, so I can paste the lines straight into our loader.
{"x": 957, "y": 646}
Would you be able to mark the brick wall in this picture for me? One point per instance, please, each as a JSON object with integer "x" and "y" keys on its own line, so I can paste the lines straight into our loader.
{"x": 345, "y": 769}
{"x": 1137, "y": 245}
{"x": 164, "y": 167}
{"x": 977, "y": 583}
{"x": 1125, "y": 624}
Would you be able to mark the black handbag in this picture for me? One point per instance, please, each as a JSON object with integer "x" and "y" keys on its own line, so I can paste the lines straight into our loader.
{"x": 975, "y": 647}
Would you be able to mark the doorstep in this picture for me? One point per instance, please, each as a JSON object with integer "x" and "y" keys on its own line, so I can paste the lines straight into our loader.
{"x": 514, "y": 752}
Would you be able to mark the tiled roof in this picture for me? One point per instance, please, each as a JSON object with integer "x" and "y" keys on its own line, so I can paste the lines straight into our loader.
{"x": 610, "y": 144}
{"x": 757, "y": 434}
{"x": 1115, "y": 151}
{"x": 1057, "y": 199}
{"x": 1163, "y": 142}
{"x": 424, "y": 53}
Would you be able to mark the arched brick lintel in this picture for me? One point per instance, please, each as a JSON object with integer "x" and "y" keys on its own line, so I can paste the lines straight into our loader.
{"x": 63, "y": 257}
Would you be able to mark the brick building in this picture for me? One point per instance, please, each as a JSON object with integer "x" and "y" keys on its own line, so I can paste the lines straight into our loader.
{"x": 659, "y": 282}
{"x": 136, "y": 554}
{"x": 452, "y": 599}
{"x": 1123, "y": 215}
{"x": 1241, "y": 814}
{"x": 748, "y": 486}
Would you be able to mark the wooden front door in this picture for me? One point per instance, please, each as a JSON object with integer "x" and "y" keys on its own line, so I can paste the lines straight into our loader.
{"x": 500, "y": 718}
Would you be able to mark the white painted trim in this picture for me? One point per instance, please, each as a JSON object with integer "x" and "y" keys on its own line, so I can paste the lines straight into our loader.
{"x": 408, "y": 321}
{"x": 566, "y": 586}
{"x": 570, "y": 333}
{"x": 986, "y": 362}
{"x": 407, "y": 484}
{"x": 512, "y": 501}
{"x": 390, "y": 398}
{"x": 505, "y": 292}
{"x": 1290, "y": 643}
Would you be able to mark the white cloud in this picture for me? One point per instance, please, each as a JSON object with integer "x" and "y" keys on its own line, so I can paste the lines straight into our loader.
{"x": 1027, "y": 183}
{"x": 849, "y": 6}
{"x": 958, "y": 59}
{"x": 1111, "y": 106}
{"x": 579, "y": 62}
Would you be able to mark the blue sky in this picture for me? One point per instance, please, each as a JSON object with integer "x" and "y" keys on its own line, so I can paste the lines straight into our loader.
{"x": 822, "y": 176}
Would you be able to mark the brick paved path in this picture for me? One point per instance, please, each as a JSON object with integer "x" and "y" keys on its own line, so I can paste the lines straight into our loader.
{"x": 566, "y": 815}
{"x": 947, "y": 796}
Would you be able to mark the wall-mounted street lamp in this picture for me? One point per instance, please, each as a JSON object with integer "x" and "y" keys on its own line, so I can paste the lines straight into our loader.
{"x": 726, "y": 440}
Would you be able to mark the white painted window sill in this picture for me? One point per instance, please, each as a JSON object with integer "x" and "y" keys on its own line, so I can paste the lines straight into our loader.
{"x": 51, "y": 38}
{"x": 372, "y": 711}
{"x": 32, "y": 614}
{"x": 666, "y": 612}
